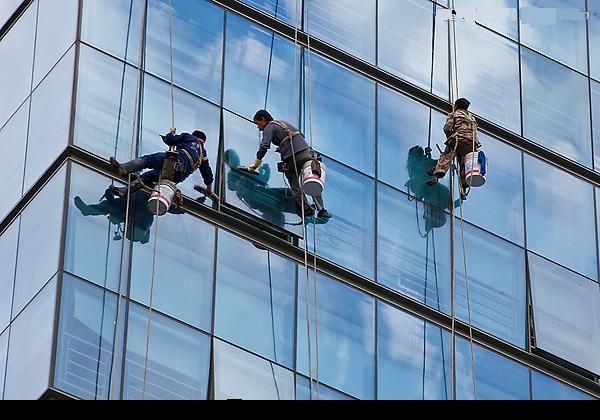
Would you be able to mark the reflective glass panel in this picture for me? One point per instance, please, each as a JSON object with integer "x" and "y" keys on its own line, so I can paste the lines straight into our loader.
{"x": 240, "y": 375}
{"x": 346, "y": 24}
{"x": 286, "y": 10}
{"x": 406, "y": 41}
{"x": 320, "y": 392}
{"x": 56, "y": 31}
{"x": 267, "y": 195}
{"x": 94, "y": 241}
{"x": 17, "y": 48}
{"x": 545, "y": 388}
{"x": 30, "y": 348}
{"x": 105, "y": 105}
{"x": 13, "y": 139}
{"x": 498, "y": 205}
{"x": 499, "y": 15}
{"x": 8, "y": 259}
{"x": 49, "y": 120}
{"x": 165, "y": 360}
{"x": 496, "y": 284}
{"x": 339, "y": 111}
{"x": 114, "y": 26}
{"x": 348, "y": 238}
{"x": 255, "y": 299}
{"x": 560, "y": 217}
{"x": 7, "y": 8}
{"x": 556, "y": 28}
{"x": 39, "y": 241}
{"x": 180, "y": 274}
{"x": 594, "y": 31}
{"x": 596, "y": 121}
{"x": 556, "y": 107}
{"x": 197, "y": 31}
{"x": 566, "y": 309}
{"x": 488, "y": 74}
{"x": 497, "y": 378}
{"x": 191, "y": 113}
{"x": 413, "y": 358}
{"x": 3, "y": 354}
{"x": 413, "y": 248}
{"x": 85, "y": 366}
{"x": 259, "y": 71}
{"x": 346, "y": 336}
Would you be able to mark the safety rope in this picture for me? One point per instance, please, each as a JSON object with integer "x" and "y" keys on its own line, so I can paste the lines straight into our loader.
{"x": 134, "y": 133}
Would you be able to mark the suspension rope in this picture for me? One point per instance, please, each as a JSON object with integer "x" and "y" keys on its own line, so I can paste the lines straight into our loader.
{"x": 171, "y": 62}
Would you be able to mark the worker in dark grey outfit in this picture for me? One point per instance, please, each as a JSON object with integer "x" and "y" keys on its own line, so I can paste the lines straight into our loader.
{"x": 295, "y": 152}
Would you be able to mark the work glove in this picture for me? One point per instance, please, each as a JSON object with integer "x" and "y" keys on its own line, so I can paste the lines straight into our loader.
{"x": 255, "y": 165}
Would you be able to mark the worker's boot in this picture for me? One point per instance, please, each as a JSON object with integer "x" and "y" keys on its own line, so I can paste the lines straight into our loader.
{"x": 126, "y": 168}
{"x": 324, "y": 214}
{"x": 135, "y": 186}
{"x": 434, "y": 180}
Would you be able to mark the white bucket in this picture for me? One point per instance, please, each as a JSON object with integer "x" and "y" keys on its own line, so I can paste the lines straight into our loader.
{"x": 313, "y": 184}
{"x": 473, "y": 173}
{"x": 163, "y": 197}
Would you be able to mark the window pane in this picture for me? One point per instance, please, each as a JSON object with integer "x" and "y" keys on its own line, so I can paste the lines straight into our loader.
{"x": 105, "y": 105}
{"x": 560, "y": 214}
{"x": 3, "y": 354}
{"x": 347, "y": 239}
{"x": 488, "y": 73}
{"x": 556, "y": 107}
{"x": 345, "y": 24}
{"x": 405, "y": 42}
{"x": 340, "y": 112}
{"x": 56, "y": 31}
{"x": 255, "y": 299}
{"x": 40, "y": 236}
{"x": 191, "y": 113}
{"x": 545, "y": 388}
{"x": 346, "y": 336}
{"x": 86, "y": 340}
{"x": 30, "y": 349}
{"x": 413, "y": 358}
{"x": 178, "y": 359}
{"x": 596, "y": 120}
{"x": 497, "y": 378}
{"x": 496, "y": 271}
{"x": 413, "y": 248}
{"x": 197, "y": 30}
{"x": 114, "y": 26}
{"x": 286, "y": 10}
{"x": 17, "y": 48}
{"x": 181, "y": 272}
{"x": 240, "y": 375}
{"x": 319, "y": 392}
{"x": 566, "y": 310}
{"x": 556, "y": 28}
{"x": 7, "y": 8}
{"x": 498, "y": 206}
{"x": 8, "y": 259}
{"x": 499, "y": 15}
{"x": 13, "y": 139}
{"x": 594, "y": 30}
{"x": 50, "y": 119}
{"x": 94, "y": 246}
{"x": 266, "y": 196}
{"x": 259, "y": 71}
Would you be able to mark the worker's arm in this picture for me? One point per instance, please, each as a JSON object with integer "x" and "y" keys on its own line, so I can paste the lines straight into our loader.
{"x": 265, "y": 144}
{"x": 172, "y": 139}
{"x": 449, "y": 126}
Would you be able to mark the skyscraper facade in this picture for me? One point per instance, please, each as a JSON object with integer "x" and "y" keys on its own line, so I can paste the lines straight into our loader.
{"x": 407, "y": 292}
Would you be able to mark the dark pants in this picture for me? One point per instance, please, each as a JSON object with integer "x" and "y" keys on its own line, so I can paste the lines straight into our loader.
{"x": 155, "y": 162}
{"x": 292, "y": 176}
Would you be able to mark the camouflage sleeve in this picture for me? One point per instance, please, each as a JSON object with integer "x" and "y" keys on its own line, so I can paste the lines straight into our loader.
{"x": 449, "y": 126}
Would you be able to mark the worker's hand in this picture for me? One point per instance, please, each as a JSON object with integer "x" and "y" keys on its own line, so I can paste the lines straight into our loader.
{"x": 209, "y": 190}
{"x": 255, "y": 165}
{"x": 173, "y": 130}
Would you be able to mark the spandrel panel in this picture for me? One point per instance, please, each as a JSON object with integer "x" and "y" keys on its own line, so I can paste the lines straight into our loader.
{"x": 320, "y": 392}
{"x": 285, "y": 10}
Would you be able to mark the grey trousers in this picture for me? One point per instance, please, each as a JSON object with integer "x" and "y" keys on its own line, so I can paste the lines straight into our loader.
{"x": 292, "y": 177}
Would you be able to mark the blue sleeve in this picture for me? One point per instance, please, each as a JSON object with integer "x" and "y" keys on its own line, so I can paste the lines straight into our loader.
{"x": 172, "y": 139}
{"x": 206, "y": 172}
{"x": 265, "y": 144}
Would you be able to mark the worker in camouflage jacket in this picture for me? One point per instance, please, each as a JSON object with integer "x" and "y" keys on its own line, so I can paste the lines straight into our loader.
{"x": 461, "y": 135}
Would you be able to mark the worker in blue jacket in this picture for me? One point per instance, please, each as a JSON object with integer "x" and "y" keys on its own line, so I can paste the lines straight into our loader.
{"x": 192, "y": 156}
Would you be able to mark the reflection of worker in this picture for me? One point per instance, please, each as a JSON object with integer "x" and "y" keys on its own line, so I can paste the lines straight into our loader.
{"x": 461, "y": 134}
{"x": 436, "y": 198}
{"x": 115, "y": 208}
{"x": 295, "y": 152}
{"x": 192, "y": 156}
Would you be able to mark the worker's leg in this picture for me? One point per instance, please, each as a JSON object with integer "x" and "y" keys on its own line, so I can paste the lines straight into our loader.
{"x": 123, "y": 169}
{"x": 292, "y": 176}
{"x": 442, "y": 165}
{"x": 100, "y": 209}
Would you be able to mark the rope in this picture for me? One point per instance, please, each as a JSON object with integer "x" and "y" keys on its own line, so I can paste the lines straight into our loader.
{"x": 171, "y": 62}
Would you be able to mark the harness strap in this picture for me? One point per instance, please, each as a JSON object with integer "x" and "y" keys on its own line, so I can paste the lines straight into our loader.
{"x": 194, "y": 165}
{"x": 288, "y": 132}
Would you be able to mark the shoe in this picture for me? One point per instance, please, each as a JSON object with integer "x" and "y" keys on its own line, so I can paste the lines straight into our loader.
{"x": 434, "y": 180}
{"x": 430, "y": 171}
{"x": 123, "y": 169}
{"x": 324, "y": 214}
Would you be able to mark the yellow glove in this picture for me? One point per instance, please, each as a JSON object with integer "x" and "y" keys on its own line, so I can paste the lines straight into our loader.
{"x": 255, "y": 165}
